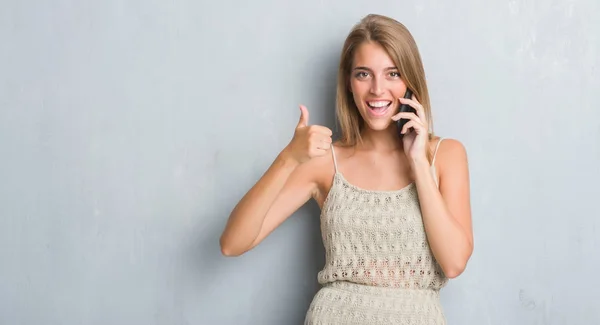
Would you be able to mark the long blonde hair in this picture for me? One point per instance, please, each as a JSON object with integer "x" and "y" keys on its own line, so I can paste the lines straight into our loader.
{"x": 398, "y": 42}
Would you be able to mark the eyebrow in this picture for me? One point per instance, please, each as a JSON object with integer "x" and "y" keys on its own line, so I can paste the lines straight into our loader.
{"x": 365, "y": 68}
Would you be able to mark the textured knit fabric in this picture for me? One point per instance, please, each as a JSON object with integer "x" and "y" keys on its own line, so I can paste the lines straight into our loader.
{"x": 379, "y": 268}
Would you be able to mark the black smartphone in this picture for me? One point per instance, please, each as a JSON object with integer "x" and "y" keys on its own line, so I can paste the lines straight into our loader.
{"x": 405, "y": 108}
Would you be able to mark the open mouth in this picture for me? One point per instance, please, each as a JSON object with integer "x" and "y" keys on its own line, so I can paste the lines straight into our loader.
{"x": 379, "y": 107}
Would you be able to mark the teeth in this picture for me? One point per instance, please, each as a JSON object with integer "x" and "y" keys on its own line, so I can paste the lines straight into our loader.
{"x": 379, "y": 104}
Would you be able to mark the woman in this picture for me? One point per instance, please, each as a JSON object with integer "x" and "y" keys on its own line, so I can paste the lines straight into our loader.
{"x": 395, "y": 208}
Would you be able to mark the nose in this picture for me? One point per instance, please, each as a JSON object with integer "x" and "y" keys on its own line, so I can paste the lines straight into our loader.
{"x": 376, "y": 86}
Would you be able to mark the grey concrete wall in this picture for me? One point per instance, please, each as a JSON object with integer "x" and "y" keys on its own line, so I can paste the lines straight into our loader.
{"x": 129, "y": 130}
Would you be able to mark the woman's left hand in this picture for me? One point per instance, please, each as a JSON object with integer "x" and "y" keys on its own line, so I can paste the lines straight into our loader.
{"x": 416, "y": 141}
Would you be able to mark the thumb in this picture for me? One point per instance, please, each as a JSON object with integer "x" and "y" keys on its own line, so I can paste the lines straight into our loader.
{"x": 303, "y": 116}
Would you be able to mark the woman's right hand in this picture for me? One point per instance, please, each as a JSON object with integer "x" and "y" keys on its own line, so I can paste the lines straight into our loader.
{"x": 308, "y": 141}
{"x": 285, "y": 186}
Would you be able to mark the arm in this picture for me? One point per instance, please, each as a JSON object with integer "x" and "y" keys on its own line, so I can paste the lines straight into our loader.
{"x": 284, "y": 188}
{"x": 446, "y": 211}
{"x": 287, "y": 185}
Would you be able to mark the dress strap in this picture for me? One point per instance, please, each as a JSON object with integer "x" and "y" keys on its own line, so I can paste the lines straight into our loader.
{"x": 334, "y": 160}
{"x": 436, "y": 150}
{"x": 433, "y": 169}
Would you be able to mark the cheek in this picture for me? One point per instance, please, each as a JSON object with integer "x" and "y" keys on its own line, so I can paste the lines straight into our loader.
{"x": 400, "y": 90}
{"x": 358, "y": 89}
{"x": 352, "y": 86}
{"x": 357, "y": 99}
{"x": 400, "y": 93}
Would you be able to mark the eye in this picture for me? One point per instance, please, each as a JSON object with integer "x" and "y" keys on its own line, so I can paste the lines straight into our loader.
{"x": 395, "y": 74}
{"x": 361, "y": 74}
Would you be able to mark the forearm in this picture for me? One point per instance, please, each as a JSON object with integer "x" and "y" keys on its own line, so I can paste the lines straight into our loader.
{"x": 449, "y": 242}
{"x": 247, "y": 217}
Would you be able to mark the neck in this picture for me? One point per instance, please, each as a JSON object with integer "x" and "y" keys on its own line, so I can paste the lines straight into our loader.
{"x": 385, "y": 140}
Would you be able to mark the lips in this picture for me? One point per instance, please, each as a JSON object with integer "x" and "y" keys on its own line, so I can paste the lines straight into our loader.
{"x": 378, "y": 107}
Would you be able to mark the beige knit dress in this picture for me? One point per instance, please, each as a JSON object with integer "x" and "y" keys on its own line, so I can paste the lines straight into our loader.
{"x": 379, "y": 267}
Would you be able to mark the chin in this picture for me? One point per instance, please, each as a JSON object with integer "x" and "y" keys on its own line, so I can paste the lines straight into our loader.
{"x": 381, "y": 123}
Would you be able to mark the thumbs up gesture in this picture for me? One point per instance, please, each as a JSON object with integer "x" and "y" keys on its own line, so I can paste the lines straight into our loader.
{"x": 309, "y": 141}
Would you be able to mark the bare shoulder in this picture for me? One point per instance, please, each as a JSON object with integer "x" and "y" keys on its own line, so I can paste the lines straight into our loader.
{"x": 451, "y": 153}
{"x": 453, "y": 171}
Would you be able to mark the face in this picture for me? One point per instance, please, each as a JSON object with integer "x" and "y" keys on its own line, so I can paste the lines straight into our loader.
{"x": 376, "y": 85}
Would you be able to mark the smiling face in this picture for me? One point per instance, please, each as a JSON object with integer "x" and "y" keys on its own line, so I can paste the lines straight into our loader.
{"x": 365, "y": 80}
{"x": 376, "y": 85}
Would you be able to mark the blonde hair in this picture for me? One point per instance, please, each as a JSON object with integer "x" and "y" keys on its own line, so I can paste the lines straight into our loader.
{"x": 398, "y": 42}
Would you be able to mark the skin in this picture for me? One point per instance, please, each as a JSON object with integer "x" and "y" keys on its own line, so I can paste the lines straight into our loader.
{"x": 304, "y": 169}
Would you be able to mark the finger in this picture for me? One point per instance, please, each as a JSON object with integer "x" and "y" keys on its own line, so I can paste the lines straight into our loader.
{"x": 321, "y": 141}
{"x": 325, "y": 138}
{"x": 317, "y": 152}
{"x": 414, "y": 103}
{"x": 303, "y": 116}
{"x": 406, "y": 115}
{"x": 323, "y": 147}
{"x": 411, "y": 102}
{"x": 324, "y": 144}
{"x": 419, "y": 108}
{"x": 316, "y": 137}
{"x": 407, "y": 127}
{"x": 417, "y": 126}
{"x": 321, "y": 130}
